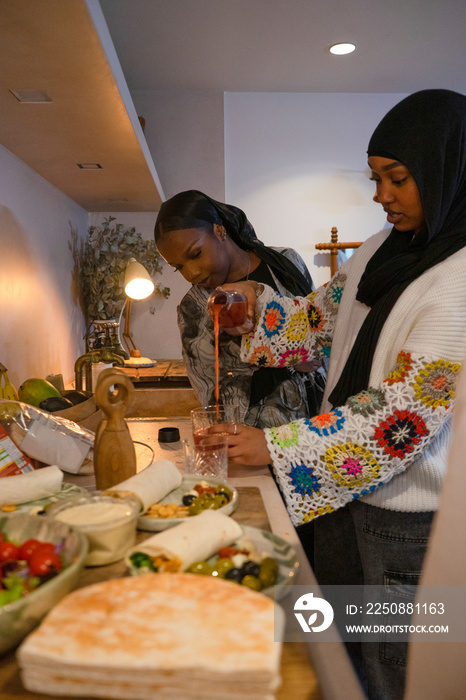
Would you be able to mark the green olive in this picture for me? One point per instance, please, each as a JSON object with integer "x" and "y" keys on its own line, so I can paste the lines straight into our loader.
{"x": 251, "y": 582}
{"x": 206, "y": 496}
{"x": 218, "y": 502}
{"x": 222, "y": 565}
{"x": 222, "y": 488}
{"x": 268, "y": 572}
{"x": 200, "y": 567}
{"x": 196, "y": 507}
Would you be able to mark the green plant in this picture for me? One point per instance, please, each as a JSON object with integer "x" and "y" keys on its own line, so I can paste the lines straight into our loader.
{"x": 107, "y": 252}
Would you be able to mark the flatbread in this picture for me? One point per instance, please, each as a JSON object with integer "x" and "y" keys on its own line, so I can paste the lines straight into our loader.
{"x": 193, "y": 540}
{"x": 157, "y": 636}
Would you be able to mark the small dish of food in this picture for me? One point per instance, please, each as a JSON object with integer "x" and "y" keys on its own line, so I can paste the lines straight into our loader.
{"x": 218, "y": 546}
{"x": 190, "y": 498}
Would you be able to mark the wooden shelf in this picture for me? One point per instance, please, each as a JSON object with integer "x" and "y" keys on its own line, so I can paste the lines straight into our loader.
{"x": 166, "y": 373}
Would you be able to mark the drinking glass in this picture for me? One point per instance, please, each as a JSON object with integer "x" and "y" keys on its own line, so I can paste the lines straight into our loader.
{"x": 209, "y": 457}
{"x": 203, "y": 418}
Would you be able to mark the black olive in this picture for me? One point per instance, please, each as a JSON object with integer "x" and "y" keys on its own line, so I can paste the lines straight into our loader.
{"x": 188, "y": 499}
{"x": 250, "y": 568}
{"x": 234, "y": 575}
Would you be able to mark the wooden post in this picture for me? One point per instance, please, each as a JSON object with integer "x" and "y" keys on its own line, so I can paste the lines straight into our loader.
{"x": 334, "y": 246}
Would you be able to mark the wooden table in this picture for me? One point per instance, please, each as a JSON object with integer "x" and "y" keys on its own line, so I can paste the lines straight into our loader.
{"x": 309, "y": 671}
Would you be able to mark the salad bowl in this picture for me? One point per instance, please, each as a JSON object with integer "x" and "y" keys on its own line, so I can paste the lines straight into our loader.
{"x": 19, "y": 617}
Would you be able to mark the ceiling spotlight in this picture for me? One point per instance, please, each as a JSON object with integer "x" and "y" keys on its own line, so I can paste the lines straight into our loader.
{"x": 342, "y": 49}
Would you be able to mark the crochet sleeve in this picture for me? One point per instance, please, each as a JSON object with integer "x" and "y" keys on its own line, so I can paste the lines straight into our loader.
{"x": 293, "y": 330}
{"x": 324, "y": 462}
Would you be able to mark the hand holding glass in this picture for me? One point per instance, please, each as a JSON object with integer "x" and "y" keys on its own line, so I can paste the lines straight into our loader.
{"x": 224, "y": 416}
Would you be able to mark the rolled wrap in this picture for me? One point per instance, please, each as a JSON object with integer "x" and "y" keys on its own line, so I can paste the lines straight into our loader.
{"x": 153, "y": 483}
{"x": 31, "y": 486}
{"x": 196, "y": 539}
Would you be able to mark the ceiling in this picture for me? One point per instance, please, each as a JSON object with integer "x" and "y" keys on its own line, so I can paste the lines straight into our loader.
{"x": 67, "y": 48}
{"x": 282, "y": 45}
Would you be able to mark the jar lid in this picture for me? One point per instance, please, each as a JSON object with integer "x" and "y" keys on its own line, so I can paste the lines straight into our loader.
{"x": 169, "y": 434}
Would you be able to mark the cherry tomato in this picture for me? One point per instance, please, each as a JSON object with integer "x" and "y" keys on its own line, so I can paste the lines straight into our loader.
{"x": 44, "y": 562}
{"x": 47, "y": 546}
{"x": 8, "y": 552}
{"x": 27, "y": 548}
{"x": 227, "y": 552}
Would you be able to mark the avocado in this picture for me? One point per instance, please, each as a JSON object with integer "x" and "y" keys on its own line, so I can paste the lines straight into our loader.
{"x": 75, "y": 396}
{"x": 55, "y": 403}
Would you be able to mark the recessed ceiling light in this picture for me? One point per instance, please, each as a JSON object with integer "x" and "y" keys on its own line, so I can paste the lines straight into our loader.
{"x": 341, "y": 49}
{"x": 31, "y": 96}
{"x": 89, "y": 166}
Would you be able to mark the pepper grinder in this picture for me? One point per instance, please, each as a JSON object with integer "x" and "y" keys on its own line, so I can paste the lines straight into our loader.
{"x": 114, "y": 455}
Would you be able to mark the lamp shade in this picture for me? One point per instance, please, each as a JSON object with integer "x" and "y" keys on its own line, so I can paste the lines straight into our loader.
{"x": 138, "y": 284}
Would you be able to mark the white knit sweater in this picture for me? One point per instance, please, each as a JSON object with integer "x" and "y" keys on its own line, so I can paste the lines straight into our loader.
{"x": 389, "y": 443}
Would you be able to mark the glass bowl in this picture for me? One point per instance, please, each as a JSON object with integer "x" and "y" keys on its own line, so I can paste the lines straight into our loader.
{"x": 19, "y": 618}
{"x": 108, "y": 519}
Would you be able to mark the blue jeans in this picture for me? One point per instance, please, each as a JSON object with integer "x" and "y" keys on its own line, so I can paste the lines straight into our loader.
{"x": 362, "y": 544}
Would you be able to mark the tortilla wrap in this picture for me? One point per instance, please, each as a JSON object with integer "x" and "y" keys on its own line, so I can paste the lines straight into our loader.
{"x": 195, "y": 539}
{"x": 32, "y": 486}
{"x": 152, "y": 483}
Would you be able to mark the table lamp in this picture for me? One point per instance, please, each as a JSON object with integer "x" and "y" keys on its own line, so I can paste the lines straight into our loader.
{"x": 138, "y": 285}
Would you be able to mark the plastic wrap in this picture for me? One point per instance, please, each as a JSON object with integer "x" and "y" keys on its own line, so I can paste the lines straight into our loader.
{"x": 48, "y": 438}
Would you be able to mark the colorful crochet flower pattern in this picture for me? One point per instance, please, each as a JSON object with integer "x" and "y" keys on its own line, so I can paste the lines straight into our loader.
{"x": 303, "y": 479}
{"x": 367, "y": 402}
{"x": 351, "y": 465}
{"x": 402, "y": 369}
{"x": 326, "y": 423}
{"x": 399, "y": 433}
{"x": 274, "y": 319}
{"x": 435, "y": 384}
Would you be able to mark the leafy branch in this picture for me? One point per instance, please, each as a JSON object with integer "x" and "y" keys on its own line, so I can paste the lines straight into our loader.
{"x": 107, "y": 251}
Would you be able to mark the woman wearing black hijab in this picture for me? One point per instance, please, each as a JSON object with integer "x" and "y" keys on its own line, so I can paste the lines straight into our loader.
{"x": 394, "y": 317}
{"x": 212, "y": 243}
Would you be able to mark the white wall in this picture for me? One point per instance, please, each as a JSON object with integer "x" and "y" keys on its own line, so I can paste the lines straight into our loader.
{"x": 184, "y": 132}
{"x": 41, "y": 236}
{"x": 297, "y": 165}
{"x": 153, "y": 321}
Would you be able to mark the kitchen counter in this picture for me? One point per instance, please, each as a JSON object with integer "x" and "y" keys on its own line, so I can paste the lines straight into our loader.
{"x": 310, "y": 671}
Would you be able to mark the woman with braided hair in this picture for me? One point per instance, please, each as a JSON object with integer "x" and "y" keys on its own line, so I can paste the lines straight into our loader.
{"x": 211, "y": 244}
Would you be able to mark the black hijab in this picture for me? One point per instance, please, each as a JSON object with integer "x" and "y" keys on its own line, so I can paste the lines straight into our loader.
{"x": 193, "y": 209}
{"x": 427, "y": 133}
